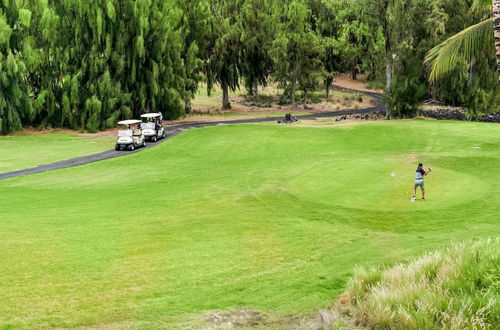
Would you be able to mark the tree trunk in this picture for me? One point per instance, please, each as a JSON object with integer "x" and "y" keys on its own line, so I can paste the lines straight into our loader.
{"x": 388, "y": 75}
{"x": 226, "y": 105}
{"x": 328, "y": 83}
{"x": 294, "y": 87}
{"x": 187, "y": 106}
{"x": 388, "y": 83}
{"x": 388, "y": 64}
{"x": 354, "y": 72}
{"x": 305, "y": 100}
{"x": 256, "y": 89}
{"x": 496, "y": 29}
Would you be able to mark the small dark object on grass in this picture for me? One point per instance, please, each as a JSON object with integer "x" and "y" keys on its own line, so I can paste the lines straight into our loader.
{"x": 341, "y": 118}
{"x": 288, "y": 119}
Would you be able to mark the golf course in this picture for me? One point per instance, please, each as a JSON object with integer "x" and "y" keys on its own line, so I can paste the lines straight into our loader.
{"x": 250, "y": 164}
{"x": 274, "y": 218}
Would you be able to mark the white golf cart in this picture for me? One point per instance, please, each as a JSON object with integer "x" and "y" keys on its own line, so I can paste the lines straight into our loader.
{"x": 152, "y": 126}
{"x": 130, "y": 135}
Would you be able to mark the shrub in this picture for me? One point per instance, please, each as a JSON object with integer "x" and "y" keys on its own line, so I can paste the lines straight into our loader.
{"x": 480, "y": 101}
{"x": 457, "y": 288}
{"x": 407, "y": 93}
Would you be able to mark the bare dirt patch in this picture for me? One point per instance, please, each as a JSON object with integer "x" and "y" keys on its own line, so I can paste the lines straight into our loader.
{"x": 247, "y": 318}
{"x": 35, "y": 131}
{"x": 344, "y": 80}
{"x": 208, "y": 108}
{"x": 346, "y": 120}
{"x": 236, "y": 318}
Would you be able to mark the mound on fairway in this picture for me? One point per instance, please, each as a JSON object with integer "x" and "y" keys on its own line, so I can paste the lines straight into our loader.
{"x": 268, "y": 217}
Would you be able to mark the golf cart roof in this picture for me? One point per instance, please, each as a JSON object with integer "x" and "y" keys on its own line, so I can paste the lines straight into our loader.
{"x": 129, "y": 122}
{"x": 151, "y": 115}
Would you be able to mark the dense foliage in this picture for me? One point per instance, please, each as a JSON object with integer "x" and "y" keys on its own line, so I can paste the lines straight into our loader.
{"x": 86, "y": 64}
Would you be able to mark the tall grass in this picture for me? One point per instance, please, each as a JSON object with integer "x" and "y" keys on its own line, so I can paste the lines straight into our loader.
{"x": 456, "y": 288}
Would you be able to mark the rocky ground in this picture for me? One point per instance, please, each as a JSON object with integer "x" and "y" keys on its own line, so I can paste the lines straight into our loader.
{"x": 458, "y": 114}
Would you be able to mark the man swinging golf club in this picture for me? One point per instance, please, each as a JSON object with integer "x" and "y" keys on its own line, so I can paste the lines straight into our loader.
{"x": 419, "y": 181}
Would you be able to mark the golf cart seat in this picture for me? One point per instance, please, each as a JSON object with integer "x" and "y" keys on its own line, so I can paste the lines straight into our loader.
{"x": 137, "y": 132}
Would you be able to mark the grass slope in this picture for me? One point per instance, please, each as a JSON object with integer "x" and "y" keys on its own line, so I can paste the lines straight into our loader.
{"x": 457, "y": 288}
{"x": 24, "y": 151}
{"x": 266, "y": 216}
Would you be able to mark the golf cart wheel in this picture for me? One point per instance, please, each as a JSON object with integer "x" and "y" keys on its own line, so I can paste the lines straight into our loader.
{"x": 154, "y": 138}
{"x": 117, "y": 147}
{"x": 144, "y": 143}
{"x": 131, "y": 147}
{"x": 164, "y": 135}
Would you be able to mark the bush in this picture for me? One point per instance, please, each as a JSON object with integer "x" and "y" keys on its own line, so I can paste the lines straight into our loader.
{"x": 480, "y": 101}
{"x": 478, "y": 92}
{"x": 406, "y": 96}
{"x": 408, "y": 88}
{"x": 457, "y": 288}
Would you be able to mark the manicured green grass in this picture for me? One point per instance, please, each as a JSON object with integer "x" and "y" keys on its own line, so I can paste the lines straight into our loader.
{"x": 271, "y": 217}
{"x": 24, "y": 151}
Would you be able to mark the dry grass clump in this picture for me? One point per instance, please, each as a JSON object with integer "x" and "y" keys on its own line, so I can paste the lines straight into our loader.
{"x": 457, "y": 288}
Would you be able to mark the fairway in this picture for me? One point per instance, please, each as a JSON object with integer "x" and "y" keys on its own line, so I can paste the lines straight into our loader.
{"x": 270, "y": 217}
{"x": 25, "y": 151}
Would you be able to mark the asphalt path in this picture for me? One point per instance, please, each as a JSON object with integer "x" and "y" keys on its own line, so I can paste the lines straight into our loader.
{"x": 175, "y": 130}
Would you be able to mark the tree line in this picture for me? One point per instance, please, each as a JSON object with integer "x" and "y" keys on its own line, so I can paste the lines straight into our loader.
{"x": 86, "y": 64}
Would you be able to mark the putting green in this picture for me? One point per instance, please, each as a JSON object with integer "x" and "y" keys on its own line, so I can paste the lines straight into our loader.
{"x": 386, "y": 185}
{"x": 270, "y": 217}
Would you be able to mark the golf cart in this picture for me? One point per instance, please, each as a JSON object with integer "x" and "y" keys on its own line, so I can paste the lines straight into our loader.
{"x": 130, "y": 135}
{"x": 152, "y": 126}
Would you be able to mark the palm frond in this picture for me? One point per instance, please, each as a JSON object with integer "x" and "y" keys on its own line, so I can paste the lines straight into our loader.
{"x": 467, "y": 44}
{"x": 481, "y": 5}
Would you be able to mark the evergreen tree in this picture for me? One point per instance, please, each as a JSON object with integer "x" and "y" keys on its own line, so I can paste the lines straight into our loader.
{"x": 297, "y": 50}
{"x": 257, "y": 35}
{"x": 93, "y": 62}
{"x": 15, "y": 104}
{"x": 224, "y": 65}
{"x": 195, "y": 29}
{"x": 325, "y": 24}
{"x": 428, "y": 21}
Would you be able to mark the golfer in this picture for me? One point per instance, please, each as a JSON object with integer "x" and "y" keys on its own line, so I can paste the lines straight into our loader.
{"x": 419, "y": 180}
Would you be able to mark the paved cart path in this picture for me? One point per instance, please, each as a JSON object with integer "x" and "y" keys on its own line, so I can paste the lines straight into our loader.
{"x": 174, "y": 130}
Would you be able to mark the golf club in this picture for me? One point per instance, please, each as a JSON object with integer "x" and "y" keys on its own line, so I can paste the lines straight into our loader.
{"x": 422, "y": 160}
